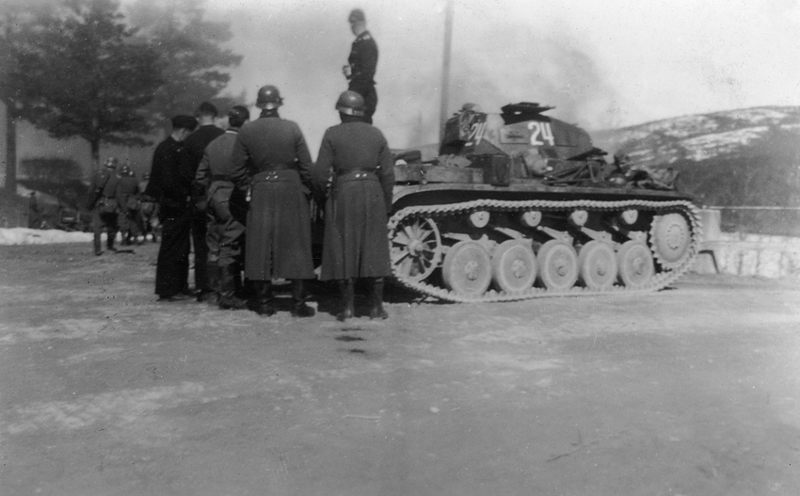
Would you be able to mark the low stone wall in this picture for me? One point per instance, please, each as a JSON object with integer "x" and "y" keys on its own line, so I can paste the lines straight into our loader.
{"x": 750, "y": 255}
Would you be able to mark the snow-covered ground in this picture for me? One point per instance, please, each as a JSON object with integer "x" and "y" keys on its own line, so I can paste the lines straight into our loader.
{"x": 25, "y": 236}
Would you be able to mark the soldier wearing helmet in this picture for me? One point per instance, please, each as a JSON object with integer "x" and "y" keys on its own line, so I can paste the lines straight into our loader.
{"x": 105, "y": 204}
{"x": 355, "y": 160}
{"x": 193, "y": 148}
{"x": 271, "y": 159}
{"x": 225, "y": 211}
{"x": 128, "y": 195}
{"x": 362, "y": 63}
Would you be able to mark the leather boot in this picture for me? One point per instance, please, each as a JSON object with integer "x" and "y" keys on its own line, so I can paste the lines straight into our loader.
{"x": 98, "y": 245}
{"x": 110, "y": 239}
{"x": 347, "y": 290}
{"x": 227, "y": 287}
{"x": 299, "y": 307}
{"x": 210, "y": 294}
{"x": 264, "y": 304}
{"x": 376, "y": 310}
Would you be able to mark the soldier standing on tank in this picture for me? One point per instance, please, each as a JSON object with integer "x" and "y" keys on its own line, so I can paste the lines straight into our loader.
{"x": 172, "y": 190}
{"x": 362, "y": 63}
{"x": 271, "y": 158}
{"x": 193, "y": 148}
{"x": 354, "y": 158}
{"x": 128, "y": 196}
{"x": 225, "y": 211}
{"x": 105, "y": 204}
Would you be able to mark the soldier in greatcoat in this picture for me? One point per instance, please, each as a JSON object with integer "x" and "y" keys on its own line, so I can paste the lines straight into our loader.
{"x": 354, "y": 159}
{"x": 271, "y": 158}
{"x": 225, "y": 211}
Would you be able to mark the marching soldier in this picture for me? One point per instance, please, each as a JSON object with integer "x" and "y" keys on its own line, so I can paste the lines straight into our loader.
{"x": 225, "y": 211}
{"x": 362, "y": 63}
{"x": 105, "y": 205}
{"x": 355, "y": 160}
{"x": 271, "y": 158}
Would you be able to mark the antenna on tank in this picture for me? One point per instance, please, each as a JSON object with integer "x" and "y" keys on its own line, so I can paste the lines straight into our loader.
{"x": 448, "y": 35}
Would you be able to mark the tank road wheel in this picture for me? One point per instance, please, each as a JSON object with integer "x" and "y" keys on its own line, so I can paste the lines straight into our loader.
{"x": 467, "y": 269}
{"x": 558, "y": 265}
{"x": 635, "y": 264}
{"x": 416, "y": 248}
{"x": 670, "y": 238}
{"x": 598, "y": 265}
{"x": 513, "y": 266}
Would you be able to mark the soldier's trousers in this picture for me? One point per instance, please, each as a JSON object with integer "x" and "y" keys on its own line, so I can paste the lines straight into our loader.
{"x": 225, "y": 229}
{"x": 107, "y": 222}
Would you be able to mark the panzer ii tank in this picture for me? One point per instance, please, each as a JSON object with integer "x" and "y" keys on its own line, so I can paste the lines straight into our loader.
{"x": 520, "y": 205}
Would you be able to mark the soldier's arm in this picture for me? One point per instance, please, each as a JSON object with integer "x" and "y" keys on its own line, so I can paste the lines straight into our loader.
{"x": 321, "y": 171}
{"x": 239, "y": 161}
{"x": 202, "y": 178}
{"x": 304, "y": 161}
{"x": 386, "y": 174}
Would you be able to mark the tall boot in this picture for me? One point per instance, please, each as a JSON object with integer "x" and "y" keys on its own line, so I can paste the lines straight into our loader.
{"x": 110, "y": 239}
{"x": 376, "y": 310}
{"x": 299, "y": 307}
{"x": 210, "y": 294}
{"x": 347, "y": 290}
{"x": 263, "y": 304}
{"x": 98, "y": 244}
{"x": 227, "y": 287}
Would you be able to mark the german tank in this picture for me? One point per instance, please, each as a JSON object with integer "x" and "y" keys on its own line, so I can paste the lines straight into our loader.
{"x": 520, "y": 205}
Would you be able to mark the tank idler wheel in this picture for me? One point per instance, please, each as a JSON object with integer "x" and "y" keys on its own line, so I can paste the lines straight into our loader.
{"x": 670, "y": 238}
{"x": 416, "y": 248}
{"x": 635, "y": 264}
{"x": 598, "y": 265}
{"x": 558, "y": 265}
{"x": 467, "y": 269}
{"x": 513, "y": 266}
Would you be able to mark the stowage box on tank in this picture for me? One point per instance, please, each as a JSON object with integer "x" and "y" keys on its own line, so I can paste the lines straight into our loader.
{"x": 521, "y": 205}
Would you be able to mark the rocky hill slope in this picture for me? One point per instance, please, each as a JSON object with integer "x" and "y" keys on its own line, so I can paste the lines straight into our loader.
{"x": 746, "y": 157}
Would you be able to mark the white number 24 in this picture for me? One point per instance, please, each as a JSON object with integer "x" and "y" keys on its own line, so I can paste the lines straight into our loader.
{"x": 541, "y": 130}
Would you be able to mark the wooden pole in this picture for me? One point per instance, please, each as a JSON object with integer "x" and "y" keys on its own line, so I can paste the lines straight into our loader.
{"x": 448, "y": 39}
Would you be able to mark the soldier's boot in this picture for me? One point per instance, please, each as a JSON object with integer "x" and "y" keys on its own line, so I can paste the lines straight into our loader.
{"x": 299, "y": 306}
{"x": 227, "y": 288}
{"x": 264, "y": 304}
{"x": 347, "y": 291}
{"x": 376, "y": 310}
{"x": 211, "y": 292}
{"x": 98, "y": 244}
{"x": 110, "y": 240}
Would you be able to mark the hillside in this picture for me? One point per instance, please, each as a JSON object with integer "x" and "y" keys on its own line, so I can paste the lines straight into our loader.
{"x": 745, "y": 157}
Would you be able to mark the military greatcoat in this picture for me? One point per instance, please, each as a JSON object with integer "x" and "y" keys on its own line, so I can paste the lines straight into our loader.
{"x": 271, "y": 158}
{"x": 355, "y": 160}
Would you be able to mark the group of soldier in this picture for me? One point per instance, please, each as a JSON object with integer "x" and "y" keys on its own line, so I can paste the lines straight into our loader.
{"x": 118, "y": 206}
{"x": 242, "y": 196}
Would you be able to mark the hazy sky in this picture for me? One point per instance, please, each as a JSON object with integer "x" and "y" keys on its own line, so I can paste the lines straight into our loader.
{"x": 602, "y": 63}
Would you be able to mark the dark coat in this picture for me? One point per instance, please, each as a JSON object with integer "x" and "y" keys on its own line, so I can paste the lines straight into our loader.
{"x": 271, "y": 158}
{"x": 356, "y": 158}
{"x": 171, "y": 189}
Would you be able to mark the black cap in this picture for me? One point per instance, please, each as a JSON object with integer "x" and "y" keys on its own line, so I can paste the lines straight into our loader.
{"x": 356, "y": 15}
{"x": 184, "y": 122}
{"x": 207, "y": 108}
{"x": 238, "y": 115}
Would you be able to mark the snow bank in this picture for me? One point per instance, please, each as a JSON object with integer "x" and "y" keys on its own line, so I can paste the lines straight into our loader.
{"x": 25, "y": 236}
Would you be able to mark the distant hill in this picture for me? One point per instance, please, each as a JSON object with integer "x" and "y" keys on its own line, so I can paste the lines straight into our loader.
{"x": 745, "y": 157}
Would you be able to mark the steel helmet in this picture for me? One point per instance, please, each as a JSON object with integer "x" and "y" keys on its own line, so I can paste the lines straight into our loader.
{"x": 111, "y": 162}
{"x": 350, "y": 103}
{"x": 269, "y": 97}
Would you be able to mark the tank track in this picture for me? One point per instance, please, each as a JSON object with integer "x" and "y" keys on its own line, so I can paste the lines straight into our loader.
{"x": 659, "y": 280}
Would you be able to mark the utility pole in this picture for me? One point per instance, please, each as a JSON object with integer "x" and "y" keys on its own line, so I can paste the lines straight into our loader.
{"x": 448, "y": 39}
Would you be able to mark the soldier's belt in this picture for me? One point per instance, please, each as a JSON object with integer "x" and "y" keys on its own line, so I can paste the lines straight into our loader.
{"x": 221, "y": 177}
{"x": 276, "y": 175}
{"x": 356, "y": 174}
